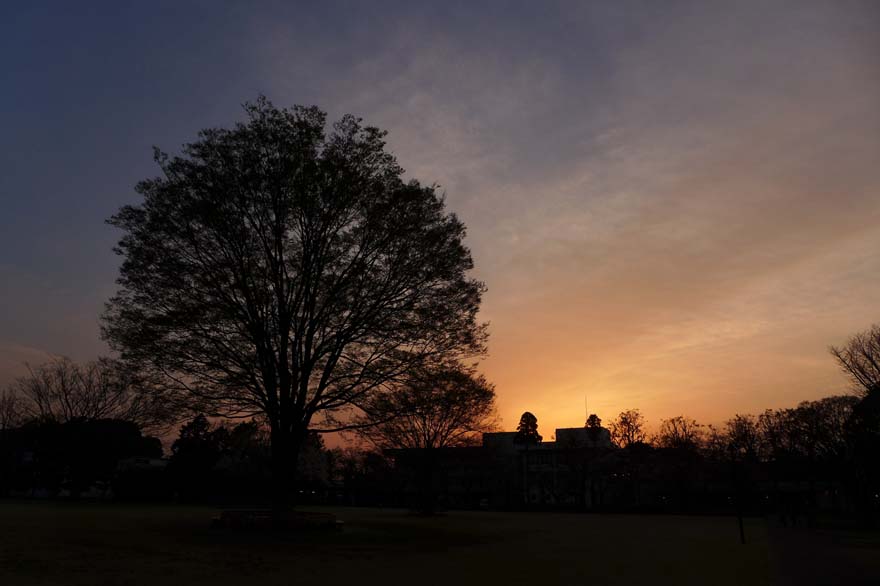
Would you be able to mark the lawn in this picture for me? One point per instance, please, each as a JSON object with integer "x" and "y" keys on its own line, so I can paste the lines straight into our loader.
{"x": 96, "y": 544}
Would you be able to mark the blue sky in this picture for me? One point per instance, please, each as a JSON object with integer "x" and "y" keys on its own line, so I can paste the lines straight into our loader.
{"x": 674, "y": 205}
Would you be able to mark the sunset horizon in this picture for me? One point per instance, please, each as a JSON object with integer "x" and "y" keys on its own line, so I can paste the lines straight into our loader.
{"x": 421, "y": 292}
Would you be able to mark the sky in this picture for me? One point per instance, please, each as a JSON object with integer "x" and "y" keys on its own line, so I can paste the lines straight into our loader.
{"x": 675, "y": 206}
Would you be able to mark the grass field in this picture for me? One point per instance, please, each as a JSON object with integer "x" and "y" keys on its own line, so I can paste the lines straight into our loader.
{"x": 73, "y": 544}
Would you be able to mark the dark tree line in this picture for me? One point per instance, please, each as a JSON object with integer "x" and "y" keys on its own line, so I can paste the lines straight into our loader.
{"x": 785, "y": 456}
{"x": 791, "y": 460}
{"x": 65, "y": 427}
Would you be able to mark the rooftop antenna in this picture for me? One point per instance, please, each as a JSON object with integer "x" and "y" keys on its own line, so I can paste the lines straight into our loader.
{"x": 586, "y": 411}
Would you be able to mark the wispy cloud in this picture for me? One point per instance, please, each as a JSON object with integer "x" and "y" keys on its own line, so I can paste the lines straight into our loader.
{"x": 662, "y": 218}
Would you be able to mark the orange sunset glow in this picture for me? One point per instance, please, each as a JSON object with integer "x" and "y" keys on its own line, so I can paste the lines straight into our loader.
{"x": 440, "y": 292}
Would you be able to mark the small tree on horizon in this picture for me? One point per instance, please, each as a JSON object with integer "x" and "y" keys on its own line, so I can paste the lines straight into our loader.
{"x": 527, "y": 430}
{"x": 593, "y": 426}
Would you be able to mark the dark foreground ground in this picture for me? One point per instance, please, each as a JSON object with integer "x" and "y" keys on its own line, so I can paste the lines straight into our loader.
{"x": 73, "y": 544}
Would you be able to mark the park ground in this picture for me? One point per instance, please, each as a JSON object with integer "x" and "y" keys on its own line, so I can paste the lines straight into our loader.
{"x": 96, "y": 544}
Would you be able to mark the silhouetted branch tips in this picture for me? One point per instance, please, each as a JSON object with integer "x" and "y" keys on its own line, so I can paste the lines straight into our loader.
{"x": 859, "y": 358}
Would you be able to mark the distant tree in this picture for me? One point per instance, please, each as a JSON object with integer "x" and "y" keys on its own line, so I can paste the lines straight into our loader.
{"x": 194, "y": 455}
{"x": 743, "y": 436}
{"x": 365, "y": 475}
{"x": 201, "y": 440}
{"x": 244, "y": 464}
{"x": 679, "y": 432}
{"x": 434, "y": 408}
{"x": 714, "y": 443}
{"x": 277, "y": 270}
{"x": 61, "y": 390}
{"x": 859, "y": 358}
{"x": 527, "y": 430}
{"x": 628, "y": 428}
{"x": 821, "y": 426}
{"x": 594, "y": 427}
{"x": 93, "y": 449}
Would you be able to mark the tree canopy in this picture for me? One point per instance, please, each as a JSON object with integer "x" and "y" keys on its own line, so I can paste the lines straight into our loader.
{"x": 281, "y": 270}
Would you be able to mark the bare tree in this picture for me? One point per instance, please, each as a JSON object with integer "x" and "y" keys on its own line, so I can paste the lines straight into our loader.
{"x": 62, "y": 390}
{"x": 436, "y": 408}
{"x": 628, "y": 428}
{"x": 743, "y": 435}
{"x": 274, "y": 269}
{"x": 859, "y": 357}
{"x": 679, "y": 432}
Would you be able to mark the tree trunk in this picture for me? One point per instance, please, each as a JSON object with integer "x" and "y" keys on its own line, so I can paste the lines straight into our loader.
{"x": 427, "y": 498}
{"x": 284, "y": 452}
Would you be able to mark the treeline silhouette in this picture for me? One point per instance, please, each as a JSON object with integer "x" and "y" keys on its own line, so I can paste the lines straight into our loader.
{"x": 80, "y": 431}
{"x": 208, "y": 463}
{"x": 795, "y": 462}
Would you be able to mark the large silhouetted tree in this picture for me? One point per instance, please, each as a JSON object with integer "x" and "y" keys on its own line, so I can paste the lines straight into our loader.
{"x": 277, "y": 269}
